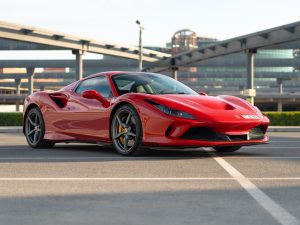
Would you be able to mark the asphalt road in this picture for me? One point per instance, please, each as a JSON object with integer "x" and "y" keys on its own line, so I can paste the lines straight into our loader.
{"x": 87, "y": 184}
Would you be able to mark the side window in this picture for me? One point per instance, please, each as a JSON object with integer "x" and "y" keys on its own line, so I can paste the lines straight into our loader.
{"x": 99, "y": 84}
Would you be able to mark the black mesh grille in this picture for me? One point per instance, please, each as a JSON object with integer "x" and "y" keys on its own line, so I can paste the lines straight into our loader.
{"x": 238, "y": 137}
{"x": 200, "y": 133}
{"x": 207, "y": 134}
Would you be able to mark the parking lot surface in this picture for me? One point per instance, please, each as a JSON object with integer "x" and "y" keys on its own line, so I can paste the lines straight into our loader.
{"x": 89, "y": 184}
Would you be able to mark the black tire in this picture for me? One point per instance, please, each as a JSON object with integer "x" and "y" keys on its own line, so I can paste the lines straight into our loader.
{"x": 227, "y": 148}
{"x": 126, "y": 131}
{"x": 34, "y": 127}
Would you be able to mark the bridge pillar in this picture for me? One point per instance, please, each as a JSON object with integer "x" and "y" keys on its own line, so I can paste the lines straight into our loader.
{"x": 280, "y": 91}
{"x": 18, "y": 92}
{"x": 175, "y": 73}
{"x": 30, "y": 74}
{"x": 79, "y": 63}
{"x": 250, "y": 74}
{"x": 280, "y": 86}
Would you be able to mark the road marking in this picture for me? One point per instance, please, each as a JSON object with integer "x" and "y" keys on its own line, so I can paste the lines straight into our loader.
{"x": 279, "y": 213}
{"x": 138, "y": 178}
{"x": 113, "y": 178}
{"x": 144, "y": 158}
{"x": 274, "y": 178}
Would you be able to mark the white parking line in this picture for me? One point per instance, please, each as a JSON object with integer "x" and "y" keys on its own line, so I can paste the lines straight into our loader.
{"x": 114, "y": 178}
{"x": 140, "y": 178}
{"x": 274, "y": 178}
{"x": 121, "y": 158}
{"x": 279, "y": 213}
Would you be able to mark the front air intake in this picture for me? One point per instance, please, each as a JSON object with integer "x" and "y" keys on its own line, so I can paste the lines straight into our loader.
{"x": 207, "y": 134}
{"x": 200, "y": 133}
{"x": 256, "y": 133}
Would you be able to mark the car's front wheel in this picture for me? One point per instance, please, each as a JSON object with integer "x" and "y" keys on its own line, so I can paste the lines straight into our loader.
{"x": 227, "y": 148}
{"x": 126, "y": 131}
{"x": 35, "y": 130}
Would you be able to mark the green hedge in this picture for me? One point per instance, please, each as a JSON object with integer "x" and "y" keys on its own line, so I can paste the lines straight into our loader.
{"x": 284, "y": 118}
{"x": 11, "y": 119}
{"x": 276, "y": 118}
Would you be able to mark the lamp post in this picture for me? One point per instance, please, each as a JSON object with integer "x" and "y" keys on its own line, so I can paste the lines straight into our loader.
{"x": 141, "y": 28}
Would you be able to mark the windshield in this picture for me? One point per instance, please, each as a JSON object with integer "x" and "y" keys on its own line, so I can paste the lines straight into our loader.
{"x": 149, "y": 83}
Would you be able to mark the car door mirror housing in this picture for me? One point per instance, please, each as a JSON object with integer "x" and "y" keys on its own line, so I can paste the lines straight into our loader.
{"x": 93, "y": 94}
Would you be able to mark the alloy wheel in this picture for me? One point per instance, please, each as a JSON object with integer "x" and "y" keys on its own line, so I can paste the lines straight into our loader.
{"x": 124, "y": 130}
{"x": 33, "y": 128}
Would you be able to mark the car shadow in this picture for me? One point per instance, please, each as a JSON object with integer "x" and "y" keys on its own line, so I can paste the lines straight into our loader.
{"x": 80, "y": 152}
{"x": 93, "y": 153}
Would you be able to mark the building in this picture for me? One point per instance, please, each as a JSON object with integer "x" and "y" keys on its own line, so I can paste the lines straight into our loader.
{"x": 274, "y": 69}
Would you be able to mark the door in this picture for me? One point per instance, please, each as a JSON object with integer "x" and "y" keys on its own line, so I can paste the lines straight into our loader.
{"x": 87, "y": 119}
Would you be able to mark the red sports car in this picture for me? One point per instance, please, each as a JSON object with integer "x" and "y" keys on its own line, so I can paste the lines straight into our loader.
{"x": 136, "y": 111}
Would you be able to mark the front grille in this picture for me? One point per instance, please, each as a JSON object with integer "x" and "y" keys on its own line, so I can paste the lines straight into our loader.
{"x": 238, "y": 137}
{"x": 201, "y": 133}
{"x": 207, "y": 134}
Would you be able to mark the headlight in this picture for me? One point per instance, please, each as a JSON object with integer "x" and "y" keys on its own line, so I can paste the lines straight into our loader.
{"x": 174, "y": 112}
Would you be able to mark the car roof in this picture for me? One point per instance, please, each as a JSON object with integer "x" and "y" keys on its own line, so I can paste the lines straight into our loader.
{"x": 112, "y": 73}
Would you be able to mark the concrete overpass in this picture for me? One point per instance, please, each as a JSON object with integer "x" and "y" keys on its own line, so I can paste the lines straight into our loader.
{"x": 249, "y": 44}
{"x": 20, "y": 37}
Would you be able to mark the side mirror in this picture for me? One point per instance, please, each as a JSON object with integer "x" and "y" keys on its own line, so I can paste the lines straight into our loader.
{"x": 93, "y": 94}
{"x": 202, "y": 93}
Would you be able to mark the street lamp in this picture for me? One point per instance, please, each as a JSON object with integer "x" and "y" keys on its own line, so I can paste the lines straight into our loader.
{"x": 141, "y": 28}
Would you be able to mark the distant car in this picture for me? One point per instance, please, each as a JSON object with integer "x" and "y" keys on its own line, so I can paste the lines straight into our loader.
{"x": 137, "y": 111}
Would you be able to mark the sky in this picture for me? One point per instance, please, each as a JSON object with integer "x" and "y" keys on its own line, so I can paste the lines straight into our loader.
{"x": 114, "y": 20}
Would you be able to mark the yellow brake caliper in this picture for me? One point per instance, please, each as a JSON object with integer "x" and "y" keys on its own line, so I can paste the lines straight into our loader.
{"x": 120, "y": 129}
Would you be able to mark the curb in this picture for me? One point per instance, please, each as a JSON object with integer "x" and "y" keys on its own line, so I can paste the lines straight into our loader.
{"x": 11, "y": 130}
{"x": 18, "y": 129}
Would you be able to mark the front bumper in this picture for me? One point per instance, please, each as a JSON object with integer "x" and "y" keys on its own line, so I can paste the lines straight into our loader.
{"x": 188, "y": 133}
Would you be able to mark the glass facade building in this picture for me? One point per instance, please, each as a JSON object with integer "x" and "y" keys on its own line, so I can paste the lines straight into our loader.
{"x": 227, "y": 74}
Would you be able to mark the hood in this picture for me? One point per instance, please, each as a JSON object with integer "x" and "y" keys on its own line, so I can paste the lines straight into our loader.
{"x": 203, "y": 102}
{"x": 209, "y": 107}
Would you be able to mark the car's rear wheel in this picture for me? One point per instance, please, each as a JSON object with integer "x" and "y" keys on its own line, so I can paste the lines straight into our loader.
{"x": 227, "y": 148}
{"x": 126, "y": 131}
{"x": 35, "y": 130}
